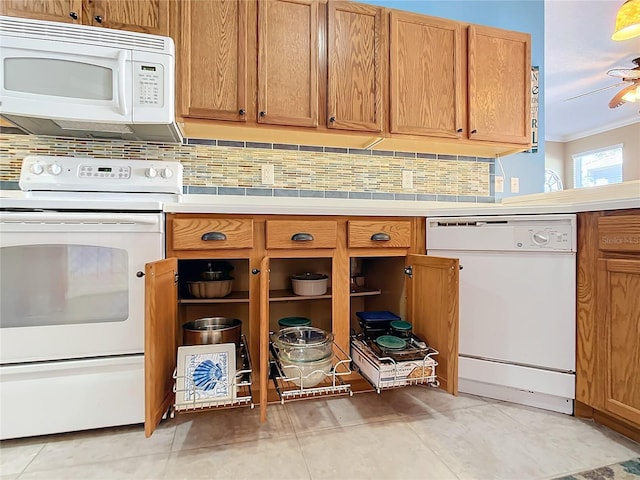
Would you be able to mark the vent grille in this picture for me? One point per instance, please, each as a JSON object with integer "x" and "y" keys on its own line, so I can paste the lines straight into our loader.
{"x": 19, "y": 27}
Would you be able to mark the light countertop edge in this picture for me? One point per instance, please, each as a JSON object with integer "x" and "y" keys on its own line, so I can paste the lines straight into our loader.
{"x": 329, "y": 206}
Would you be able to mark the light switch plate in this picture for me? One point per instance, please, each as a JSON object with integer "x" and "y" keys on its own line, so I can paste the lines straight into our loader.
{"x": 407, "y": 179}
{"x": 268, "y": 175}
{"x": 499, "y": 184}
{"x": 515, "y": 184}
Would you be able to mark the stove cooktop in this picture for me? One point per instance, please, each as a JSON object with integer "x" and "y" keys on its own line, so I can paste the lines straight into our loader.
{"x": 51, "y": 183}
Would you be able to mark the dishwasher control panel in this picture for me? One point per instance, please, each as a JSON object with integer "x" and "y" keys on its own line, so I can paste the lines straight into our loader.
{"x": 553, "y": 238}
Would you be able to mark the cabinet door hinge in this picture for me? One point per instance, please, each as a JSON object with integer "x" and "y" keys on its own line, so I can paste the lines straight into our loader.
{"x": 408, "y": 270}
{"x": 175, "y": 278}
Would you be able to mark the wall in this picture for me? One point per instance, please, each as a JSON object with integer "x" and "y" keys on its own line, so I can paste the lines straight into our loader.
{"x": 523, "y": 16}
{"x": 234, "y": 168}
{"x": 561, "y": 154}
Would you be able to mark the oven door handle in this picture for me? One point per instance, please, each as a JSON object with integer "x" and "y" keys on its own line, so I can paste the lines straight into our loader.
{"x": 90, "y": 218}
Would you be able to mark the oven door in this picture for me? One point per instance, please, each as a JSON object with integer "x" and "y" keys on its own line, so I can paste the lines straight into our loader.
{"x": 71, "y": 283}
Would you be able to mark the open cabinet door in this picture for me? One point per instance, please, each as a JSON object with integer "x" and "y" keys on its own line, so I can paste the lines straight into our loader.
{"x": 264, "y": 337}
{"x": 433, "y": 303}
{"x": 161, "y": 310}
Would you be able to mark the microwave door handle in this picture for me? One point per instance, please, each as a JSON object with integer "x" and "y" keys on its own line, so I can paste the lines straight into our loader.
{"x": 122, "y": 101}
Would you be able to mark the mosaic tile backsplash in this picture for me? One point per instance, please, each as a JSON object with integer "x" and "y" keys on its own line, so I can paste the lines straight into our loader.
{"x": 235, "y": 168}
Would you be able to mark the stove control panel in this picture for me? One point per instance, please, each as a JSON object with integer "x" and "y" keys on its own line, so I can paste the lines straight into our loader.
{"x": 85, "y": 174}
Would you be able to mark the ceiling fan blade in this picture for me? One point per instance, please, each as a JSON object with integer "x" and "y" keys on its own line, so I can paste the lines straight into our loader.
{"x": 617, "y": 100}
{"x": 594, "y": 91}
{"x": 627, "y": 73}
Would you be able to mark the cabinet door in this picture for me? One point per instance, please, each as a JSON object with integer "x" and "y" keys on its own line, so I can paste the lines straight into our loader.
{"x": 264, "y": 338}
{"x": 355, "y": 53}
{"x": 212, "y": 56}
{"x": 433, "y": 295}
{"x": 160, "y": 344}
{"x": 288, "y": 62}
{"x": 69, "y": 11}
{"x": 499, "y": 73}
{"x": 146, "y": 16}
{"x": 618, "y": 304}
{"x": 425, "y": 75}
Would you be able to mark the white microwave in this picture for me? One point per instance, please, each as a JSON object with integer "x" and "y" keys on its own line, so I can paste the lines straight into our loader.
{"x": 90, "y": 82}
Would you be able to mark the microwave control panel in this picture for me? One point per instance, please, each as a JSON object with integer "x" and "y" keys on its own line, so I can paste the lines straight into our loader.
{"x": 148, "y": 84}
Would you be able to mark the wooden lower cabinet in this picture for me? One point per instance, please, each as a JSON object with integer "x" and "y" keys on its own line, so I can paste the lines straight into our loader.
{"x": 397, "y": 277}
{"x": 608, "y": 353}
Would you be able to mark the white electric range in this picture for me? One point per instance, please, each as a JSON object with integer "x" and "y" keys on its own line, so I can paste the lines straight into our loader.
{"x": 73, "y": 249}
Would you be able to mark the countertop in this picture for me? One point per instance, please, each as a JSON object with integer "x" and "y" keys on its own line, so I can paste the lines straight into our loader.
{"x": 610, "y": 197}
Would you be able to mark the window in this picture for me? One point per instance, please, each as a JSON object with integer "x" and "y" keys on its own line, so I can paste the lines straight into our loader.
{"x": 598, "y": 167}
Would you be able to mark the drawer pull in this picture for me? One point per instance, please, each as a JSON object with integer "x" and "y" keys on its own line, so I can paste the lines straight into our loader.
{"x": 213, "y": 236}
{"x": 380, "y": 237}
{"x": 302, "y": 237}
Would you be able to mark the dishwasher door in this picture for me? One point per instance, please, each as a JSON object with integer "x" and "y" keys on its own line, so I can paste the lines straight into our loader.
{"x": 518, "y": 307}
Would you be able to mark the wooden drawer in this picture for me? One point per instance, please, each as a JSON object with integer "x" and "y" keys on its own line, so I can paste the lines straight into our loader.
{"x": 619, "y": 233}
{"x": 212, "y": 234}
{"x": 380, "y": 234}
{"x": 301, "y": 234}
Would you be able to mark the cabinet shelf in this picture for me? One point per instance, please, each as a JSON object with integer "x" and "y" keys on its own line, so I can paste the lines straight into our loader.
{"x": 233, "y": 297}
{"x": 288, "y": 295}
{"x": 363, "y": 291}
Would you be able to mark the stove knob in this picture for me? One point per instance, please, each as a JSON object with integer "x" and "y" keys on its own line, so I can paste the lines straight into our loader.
{"x": 166, "y": 173}
{"x": 151, "y": 172}
{"x": 37, "y": 168}
{"x": 54, "y": 169}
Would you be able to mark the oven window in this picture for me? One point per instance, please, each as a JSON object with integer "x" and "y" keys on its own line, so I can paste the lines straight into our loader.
{"x": 62, "y": 285}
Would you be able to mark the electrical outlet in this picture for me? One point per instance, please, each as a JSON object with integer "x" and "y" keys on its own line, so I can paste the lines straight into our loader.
{"x": 499, "y": 184}
{"x": 407, "y": 179}
{"x": 515, "y": 184}
{"x": 268, "y": 175}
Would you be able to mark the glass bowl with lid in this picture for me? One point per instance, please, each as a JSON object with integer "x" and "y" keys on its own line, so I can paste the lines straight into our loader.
{"x": 303, "y": 344}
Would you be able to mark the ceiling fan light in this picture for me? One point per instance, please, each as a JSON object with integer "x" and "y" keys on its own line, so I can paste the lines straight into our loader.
{"x": 627, "y": 21}
{"x": 632, "y": 95}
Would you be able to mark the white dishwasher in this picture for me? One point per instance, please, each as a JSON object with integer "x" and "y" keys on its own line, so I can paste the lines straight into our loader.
{"x": 517, "y": 305}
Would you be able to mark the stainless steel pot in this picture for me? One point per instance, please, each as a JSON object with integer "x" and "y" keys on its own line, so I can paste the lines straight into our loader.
{"x": 210, "y": 330}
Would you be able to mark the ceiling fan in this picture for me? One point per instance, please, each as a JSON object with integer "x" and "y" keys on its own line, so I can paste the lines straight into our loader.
{"x": 631, "y": 92}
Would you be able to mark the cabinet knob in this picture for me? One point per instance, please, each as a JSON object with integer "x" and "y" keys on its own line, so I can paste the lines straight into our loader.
{"x": 459, "y": 130}
{"x": 242, "y": 111}
{"x": 380, "y": 237}
{"x": 73, "y": 15}
{"x": 255, "y": 271}
{"x": 139, "y": 274}
{"x": 302, "y": 237}
{"x": 474, "y": 131}
{"x": 332, "y": 119}
{"x": 213, "y": 236}
{"x": 263, "y": 114}
{"x": 98, "y": 18}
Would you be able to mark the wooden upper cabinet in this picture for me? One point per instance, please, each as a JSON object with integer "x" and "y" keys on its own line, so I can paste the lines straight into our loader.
{"x": 356, "y": 46}
{"x": 288, "y": 62}
{"x": 212, "y": 56}
{"x": 426, "y": 96}
{"x": 499, "y": 64}
{"x": 145, "y": 16}
{"x": 69, "y": 11}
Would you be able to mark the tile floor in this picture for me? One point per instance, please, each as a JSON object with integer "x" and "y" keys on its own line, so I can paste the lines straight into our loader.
{"x": 409, "y": 433}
